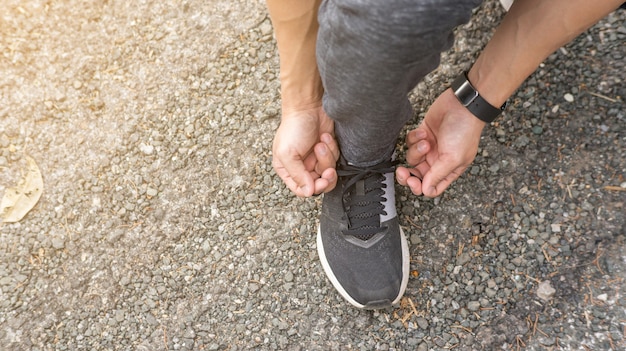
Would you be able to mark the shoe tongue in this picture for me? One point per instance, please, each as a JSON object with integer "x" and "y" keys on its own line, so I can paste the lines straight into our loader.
{"x": 359, "y": 188}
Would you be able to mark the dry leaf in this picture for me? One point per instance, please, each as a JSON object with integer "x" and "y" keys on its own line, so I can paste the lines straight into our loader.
{"x": 18, "y": 201}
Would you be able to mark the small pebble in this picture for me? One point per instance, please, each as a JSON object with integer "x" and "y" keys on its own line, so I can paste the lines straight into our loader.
{"x": 58, "y": 243}
{"x": 545, "y": 291}
{"x": 473, "y": 306}
{"x": 568, "y": 97}
{"x": 146, "y": 149}
{"x": 422, "y": 323}
{"x": 229, "y": 109}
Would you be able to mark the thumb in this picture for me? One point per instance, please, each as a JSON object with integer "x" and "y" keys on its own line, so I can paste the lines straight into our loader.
{"x": 440, "y": 175}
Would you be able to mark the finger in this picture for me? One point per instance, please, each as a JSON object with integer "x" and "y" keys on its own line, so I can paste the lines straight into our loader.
{"x": 310, "y": 163}
{"x": 402, "y": 174}
{"x": 440, "y": 176}
{"x": 409, "y": 177}
{"x": 415, "y": 184}
{"x": 325, "y": 158}
{"x": 330, "y": 141}
{"x": 286, "y": 178}
{"x": 417, "y": 152}
{"x": 414, "y": 136}
{"x": 331, "y": 176}
{"x": 294, "y": 174}
{"x": 326, "y": 182}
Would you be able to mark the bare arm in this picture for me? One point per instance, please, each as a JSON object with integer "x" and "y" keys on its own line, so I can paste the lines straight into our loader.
{"x": 532, "y": 30}
{"x": 445, "y": 143}
{"x": 304, "y": 149}
{"x": 295, "y": 26}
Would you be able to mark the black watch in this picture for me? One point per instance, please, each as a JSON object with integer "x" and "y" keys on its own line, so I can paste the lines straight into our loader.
{"x": 470, "y": 98}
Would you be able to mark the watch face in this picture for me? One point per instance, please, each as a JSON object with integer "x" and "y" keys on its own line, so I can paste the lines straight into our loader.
{"x": 466, "y": 93}
{"x": 470, "y": 98}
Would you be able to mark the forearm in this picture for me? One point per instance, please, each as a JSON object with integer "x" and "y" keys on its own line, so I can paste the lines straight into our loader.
{"x": 532, "y": 30}
{"x": 295, "y": 25}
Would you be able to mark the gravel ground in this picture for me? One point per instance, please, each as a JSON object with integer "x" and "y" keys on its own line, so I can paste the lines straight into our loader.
{"x": 163, "y": 226}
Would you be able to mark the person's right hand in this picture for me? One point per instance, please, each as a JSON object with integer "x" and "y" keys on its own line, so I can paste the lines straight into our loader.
{"x": 305, "y": 152}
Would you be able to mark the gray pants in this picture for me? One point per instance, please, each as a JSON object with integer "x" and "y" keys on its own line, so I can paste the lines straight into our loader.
{"x": 371, "y": 54}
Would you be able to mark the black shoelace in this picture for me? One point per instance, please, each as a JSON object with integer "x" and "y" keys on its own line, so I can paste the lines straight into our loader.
{"x": 363, "y": 198}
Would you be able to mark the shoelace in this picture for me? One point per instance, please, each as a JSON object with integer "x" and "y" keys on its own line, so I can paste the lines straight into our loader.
{"x": 363, "y": 197}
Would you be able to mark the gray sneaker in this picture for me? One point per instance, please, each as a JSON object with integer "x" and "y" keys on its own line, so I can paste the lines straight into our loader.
{"x": 359, "y": 241}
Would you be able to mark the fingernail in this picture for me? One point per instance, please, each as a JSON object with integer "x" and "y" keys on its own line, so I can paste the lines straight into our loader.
{"x": 421, "y": 148}
{"x": 322, "y": 149}
{"x": 304, "y": 189}
{"x": 326, "y": 138}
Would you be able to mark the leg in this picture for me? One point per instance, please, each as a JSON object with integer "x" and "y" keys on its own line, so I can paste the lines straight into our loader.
{"x": 371, "y": 54}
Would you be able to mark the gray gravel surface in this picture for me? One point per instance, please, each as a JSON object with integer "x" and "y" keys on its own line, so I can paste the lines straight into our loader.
{"x": 163, "y": 226}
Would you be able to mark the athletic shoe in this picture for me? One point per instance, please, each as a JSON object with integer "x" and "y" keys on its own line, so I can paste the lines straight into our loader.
{"x": 359, "y": 241}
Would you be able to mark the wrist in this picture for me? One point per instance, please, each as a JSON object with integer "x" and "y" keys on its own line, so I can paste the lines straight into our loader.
{"x": 470, "y": 98}
{"x": 464, "y": 116}
{"x": 492, "y": 87}
{"x": 295, "y": 98}
{"x": 292, "y": 108}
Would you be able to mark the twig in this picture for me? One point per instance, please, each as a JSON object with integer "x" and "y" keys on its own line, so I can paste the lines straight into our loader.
{"x": 614, "y": 188}
{"x": 413, "y": 307}
{"x": 475, "y": 239}
{"x": 465, "y": 329}
{"x": 519, "y": 341}
{"x": 532, "y": 278}
{"x": 611, "y": 341}
{"x": 410, "y": 221}
{"x": 164, "y": 338}
{"x": 406, "y": 318}
{"x": 542, "y": 332}
{"x": 597, "y": 260}
{"x": 529, "y": 323}
{"x": 603, "y": 97}
{"x": 569, "y": 191}
{"x": 460, "y": 250}
{"x": 545, "y": 254}
{"x": 588, "y": 320}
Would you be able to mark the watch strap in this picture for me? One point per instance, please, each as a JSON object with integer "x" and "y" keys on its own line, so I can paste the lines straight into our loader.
{"x": 471, "y": 99}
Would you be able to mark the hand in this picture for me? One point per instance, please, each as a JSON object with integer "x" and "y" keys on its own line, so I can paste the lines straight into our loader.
{"x": 441, "y": 148}
{"x": 305, "y": 152}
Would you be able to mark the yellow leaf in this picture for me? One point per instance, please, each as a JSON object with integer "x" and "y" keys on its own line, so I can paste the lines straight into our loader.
{"x": 18, "y": 201}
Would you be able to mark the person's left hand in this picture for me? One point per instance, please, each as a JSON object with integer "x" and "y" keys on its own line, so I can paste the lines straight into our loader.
{"x": 441, "y": 148}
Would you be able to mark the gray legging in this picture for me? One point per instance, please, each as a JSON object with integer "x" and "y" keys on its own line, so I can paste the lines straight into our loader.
{"x": 371, "y": 54}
